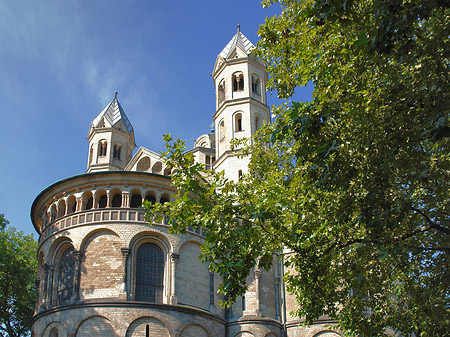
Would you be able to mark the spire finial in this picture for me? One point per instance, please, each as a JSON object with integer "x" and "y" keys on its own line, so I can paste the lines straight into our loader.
{"x": 115, "y": 94}
{"x": 239, "y": 28}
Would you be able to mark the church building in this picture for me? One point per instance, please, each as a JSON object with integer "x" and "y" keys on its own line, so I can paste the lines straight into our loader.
{"x": 104, "y": 271}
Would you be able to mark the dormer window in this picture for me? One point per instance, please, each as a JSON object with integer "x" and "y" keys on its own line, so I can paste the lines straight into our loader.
{"x": 238, "y": 82}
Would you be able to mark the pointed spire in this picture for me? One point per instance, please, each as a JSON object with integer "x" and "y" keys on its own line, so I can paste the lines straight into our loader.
{"x": 239, "y": 40}
{"x": 113, "y": 113}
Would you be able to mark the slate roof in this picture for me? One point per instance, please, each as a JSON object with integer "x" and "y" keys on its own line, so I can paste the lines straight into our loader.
{"x": 113, "y": 113}
{"x": 238, "y": 40}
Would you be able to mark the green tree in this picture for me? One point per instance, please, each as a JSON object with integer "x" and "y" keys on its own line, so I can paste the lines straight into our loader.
{"x": 18, "y": 266}
{"x": 351, "y": 187}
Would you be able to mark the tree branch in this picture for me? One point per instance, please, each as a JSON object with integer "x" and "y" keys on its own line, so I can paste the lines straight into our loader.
{"x": 432, "y": 224}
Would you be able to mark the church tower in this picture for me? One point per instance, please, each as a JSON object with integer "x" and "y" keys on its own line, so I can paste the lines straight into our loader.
{"x": 241, "y": 108}
{"x": 111, "y": 139}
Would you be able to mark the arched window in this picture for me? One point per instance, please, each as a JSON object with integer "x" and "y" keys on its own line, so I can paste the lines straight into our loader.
{"x": 222, "y": 130}
{"x": 149, "y": 273}
{"x": 61, "y": 208}
{"x": 72, "y": 204}
{"x": 91, "y": 153}
{"x": 103, "y": 201}
{"x": 221, "y": 92}
{"x": 150, "y": 198}
{"x": 258, "y": 121}
{"x": 117, "y": 200}
{"x": 102, "y": 146}
{"x": 256, "y": 85}
{"x": 53, "y": 332}
{"x": 116, "y": 152}
{"x": 53, "y": 213}
{"x": 163, "y": 200}
{"x": 65, "y": 277}
{"x": 143, "y": 164}
{"x": 238, "y": 82}
{"x": 240, "y": 174}
{"x": 238, "y": 122}
{"x": 89, "y": 203}
{"x": 136, "y": 201}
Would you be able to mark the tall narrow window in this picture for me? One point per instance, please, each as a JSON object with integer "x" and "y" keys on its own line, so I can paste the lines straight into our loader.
{"x": 238, "y": 122}
{"x": 102, "y": 147}
{"x": 117, "y": 200}
{"x": 65, "y": 277}
{"x": 136, "y": 201}
{"x": 116, "y": 152}
{"x": 149, "y": 273}
{"x": 222, "y": 130}
{"x": 221, "y": 92}
{"x": 256, "y": 85}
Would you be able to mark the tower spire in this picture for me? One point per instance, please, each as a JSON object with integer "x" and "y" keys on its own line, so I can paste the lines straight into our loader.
{"x": 239, "y": 28}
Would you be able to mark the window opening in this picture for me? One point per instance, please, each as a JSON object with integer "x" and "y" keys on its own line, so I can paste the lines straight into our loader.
{"x": 103, "y": 201}
{"x": 238, "y": 122}
{"x": 151, "y": 199}
{"x": 256, "y": 85}
{"x": 116, "y": 152}
{"x": 102, "y": 146}
{"x": 222, "y": 130}
{"x": 221, "y": 92}
{"x": 66, "y": 271}
{"x": 117, "y": 200}
{"x": 163, "y": 200}
{"x": 240, "y": 174}
{"x": 147, "y": 330}
{"x": 149, "y": 273}
{"x": 89, "y": 203}
{"x": 136, "y": 201}
{"x": 238, "y": 82}
{"x": 243, "y": 302}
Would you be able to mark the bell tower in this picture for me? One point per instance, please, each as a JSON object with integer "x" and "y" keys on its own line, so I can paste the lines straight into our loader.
{"x": 241, "y": 108}
{"x": 111, "y": 139}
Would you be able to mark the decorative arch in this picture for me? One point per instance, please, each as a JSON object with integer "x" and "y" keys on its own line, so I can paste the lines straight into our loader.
{"x": 102, "y": 147}
{"x": 54, "y": 329}
{"x": 97, "y": 326}
{"x": 61, "y": 208}
{"x": 150, "y": 251}
{"x": 327, "y": 333}
{"x": 101, "y": 198}
{"x": 136, "y": 198}
{"x": 143, "y": 164}
{"x": 102, "y": 265}
{"x": 157, "y": 167}
{"x": 222, "y": 130}
{"x": 167, "y": 171}
{"x": 147, "y": 326}
{"x": 238, "y": 81}
{"x": 53, "y": 212}
{"x": 194, "y": 330}
{"x": 116, "y": 197}
{"x": 244, "y": 334}
{"x": 258, "y": 121}
{"x": 256, "y": 85}
{"x": 71, "y": 204}
{"x": 150, "y": 196}
{"x": 87, "y": 200}
{"x": 64, "y": 275}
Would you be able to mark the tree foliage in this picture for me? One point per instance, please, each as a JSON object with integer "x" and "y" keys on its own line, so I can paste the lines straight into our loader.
{"x": 17, "y": 280}
{"x": 351, "y": 187}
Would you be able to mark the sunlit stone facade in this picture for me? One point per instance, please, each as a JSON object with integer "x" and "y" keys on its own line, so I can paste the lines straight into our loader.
{"x": 104, "y": 271}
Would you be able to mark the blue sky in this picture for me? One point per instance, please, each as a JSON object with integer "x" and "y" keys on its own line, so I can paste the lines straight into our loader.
{"x": 62, "y": 61}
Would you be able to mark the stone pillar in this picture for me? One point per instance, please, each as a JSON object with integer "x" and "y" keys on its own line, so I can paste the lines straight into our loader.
{"x": 257, "y": 291}
{"x": 76, "y": 276}
{"x": 79, "y": 204}
{"x": 67, "y": 206}
{"x": 108, "y": 196}
{"x": 174, "y": 259}
{"x": 125, "y": 199}
{"x": 125, "y": 254}
{"x": 276, "y": 281}
{"x": 94, "y": 200}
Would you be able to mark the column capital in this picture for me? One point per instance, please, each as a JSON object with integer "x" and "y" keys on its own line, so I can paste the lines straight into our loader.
{"x": 125, "y": 252}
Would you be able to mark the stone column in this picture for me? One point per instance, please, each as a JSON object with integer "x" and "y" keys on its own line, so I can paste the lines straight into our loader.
{"x": 76, "y": 276}
{"x": 257, "y": 291}
{"x": 108, "y": 196}
{"x": 79, "y": 204}
{"x": 276, "y": 281}
{"x": 174, "y": 259}
{"x": 94, "y": 200}
{"x": 125, "y": 254}
{"x": 125, "y": 199}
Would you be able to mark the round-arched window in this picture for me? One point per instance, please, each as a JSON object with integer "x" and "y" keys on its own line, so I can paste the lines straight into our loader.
{"x": 149, "y": 273}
